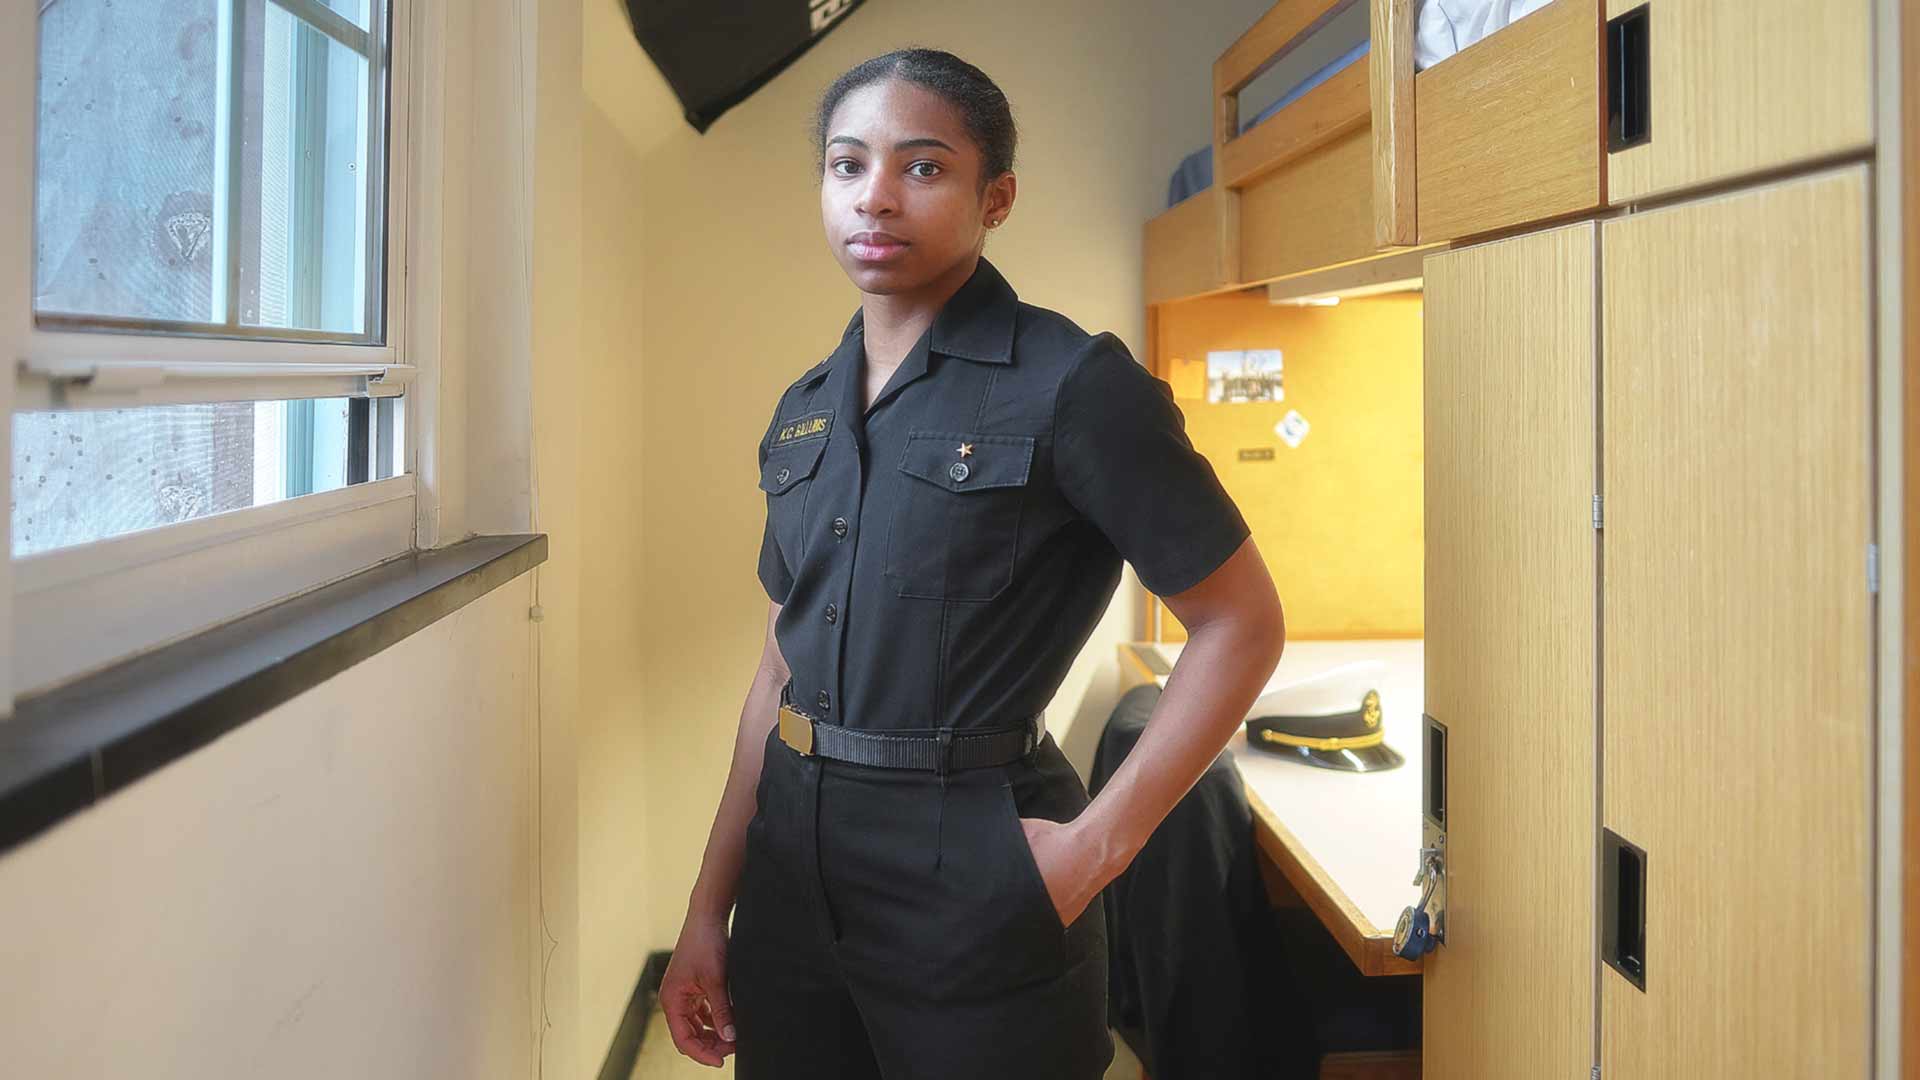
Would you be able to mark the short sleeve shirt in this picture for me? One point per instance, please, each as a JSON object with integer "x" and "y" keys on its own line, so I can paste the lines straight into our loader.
{"x": 943, "y": 555}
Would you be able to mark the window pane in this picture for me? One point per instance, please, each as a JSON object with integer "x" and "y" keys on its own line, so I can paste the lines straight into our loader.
{"x": 303, "y": 224}
{"x": 124, "y": 205}
{"x": 87, "y": 475}
{"x": 209, "y": 162}
{"x": 355, "y": 11}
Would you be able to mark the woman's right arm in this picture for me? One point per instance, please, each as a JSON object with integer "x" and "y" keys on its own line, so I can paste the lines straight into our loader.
{"x": 693, "y": 991}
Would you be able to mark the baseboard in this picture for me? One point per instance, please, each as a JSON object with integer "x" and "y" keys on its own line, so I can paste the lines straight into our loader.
{"x": 625, "y": 1050}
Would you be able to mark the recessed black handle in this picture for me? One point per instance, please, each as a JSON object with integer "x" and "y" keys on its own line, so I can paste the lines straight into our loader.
{"x": 1623, "y": 919}
{"x": 1433, "y": 781}
{"x": 1628, "y": 81}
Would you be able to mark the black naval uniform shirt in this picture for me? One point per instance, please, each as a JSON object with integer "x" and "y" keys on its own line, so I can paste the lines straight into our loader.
{"x": 943, "y": 558}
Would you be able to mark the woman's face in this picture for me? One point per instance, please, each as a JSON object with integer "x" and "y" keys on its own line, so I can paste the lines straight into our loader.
{"x": 900, "y": 197}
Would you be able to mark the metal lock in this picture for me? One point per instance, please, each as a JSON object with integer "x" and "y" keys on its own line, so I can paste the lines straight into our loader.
{"x": 1423, "y": 927}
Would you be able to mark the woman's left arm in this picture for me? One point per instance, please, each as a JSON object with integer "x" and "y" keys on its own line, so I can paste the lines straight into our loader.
{"x": 1235, "y": 634}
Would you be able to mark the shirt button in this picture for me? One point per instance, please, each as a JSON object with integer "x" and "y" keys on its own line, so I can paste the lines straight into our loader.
{"x": 958, "y": 470}
{"x": 833, "y": 612}
{"x": 821, "y": 699}
{"x": 781, "y": 476}
{"x": 840, "y": 527}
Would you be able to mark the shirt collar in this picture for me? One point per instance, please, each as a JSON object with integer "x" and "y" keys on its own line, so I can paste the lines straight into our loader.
{"x": 976, "y": 323}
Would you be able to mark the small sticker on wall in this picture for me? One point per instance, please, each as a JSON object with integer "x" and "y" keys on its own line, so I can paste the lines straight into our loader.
{"x": 1187, "y": 377}
{"x": 1292, "y": 428}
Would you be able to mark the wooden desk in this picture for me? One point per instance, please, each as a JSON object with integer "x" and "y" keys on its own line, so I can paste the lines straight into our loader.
{"x": 1348, "y": 843}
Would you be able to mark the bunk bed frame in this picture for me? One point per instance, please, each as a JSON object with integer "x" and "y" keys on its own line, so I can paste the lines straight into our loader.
{"x": 1379, "y": 159}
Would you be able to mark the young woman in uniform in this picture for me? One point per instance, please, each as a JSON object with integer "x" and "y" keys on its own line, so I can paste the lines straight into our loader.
{"x": 910, "y": 860}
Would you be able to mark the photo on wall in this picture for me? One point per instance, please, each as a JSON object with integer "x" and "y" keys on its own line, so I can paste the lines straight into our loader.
{"x": 1241, "y": 375}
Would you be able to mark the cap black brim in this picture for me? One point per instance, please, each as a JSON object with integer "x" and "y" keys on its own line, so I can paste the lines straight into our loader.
{"x": 1377, "y": 758}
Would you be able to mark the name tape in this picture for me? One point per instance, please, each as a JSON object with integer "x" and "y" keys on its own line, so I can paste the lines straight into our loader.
{"x": 811, "y": 426}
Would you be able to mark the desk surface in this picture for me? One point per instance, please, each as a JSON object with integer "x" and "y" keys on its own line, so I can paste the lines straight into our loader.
{"x": 1347, "y": 842}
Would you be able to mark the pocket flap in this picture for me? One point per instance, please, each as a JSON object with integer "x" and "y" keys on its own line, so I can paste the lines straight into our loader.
{"x": 790, "y": 464}
{"x": 962, "y": 461}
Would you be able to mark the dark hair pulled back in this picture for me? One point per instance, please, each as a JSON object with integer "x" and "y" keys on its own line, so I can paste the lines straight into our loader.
{"x": 982, "y": 107}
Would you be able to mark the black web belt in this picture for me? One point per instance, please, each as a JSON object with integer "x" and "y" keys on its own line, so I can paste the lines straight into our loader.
{"x": 945, "y": 751}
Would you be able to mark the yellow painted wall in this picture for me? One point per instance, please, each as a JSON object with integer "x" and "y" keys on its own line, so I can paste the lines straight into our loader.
{"x": 1338, "y": 519}
{"x": 614, "y": 897}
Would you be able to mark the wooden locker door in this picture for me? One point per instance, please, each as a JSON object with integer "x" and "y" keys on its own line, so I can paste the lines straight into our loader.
{"x": 1736, "y": 707}
{"x": 1736, "y": 87}
{"x": 1510, "y": 587}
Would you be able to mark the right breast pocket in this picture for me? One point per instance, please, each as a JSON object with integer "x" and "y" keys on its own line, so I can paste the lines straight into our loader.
{"x": 786, "y": 478}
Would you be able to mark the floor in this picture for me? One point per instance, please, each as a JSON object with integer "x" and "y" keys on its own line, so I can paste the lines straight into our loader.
{"x": 660, "y": 1061}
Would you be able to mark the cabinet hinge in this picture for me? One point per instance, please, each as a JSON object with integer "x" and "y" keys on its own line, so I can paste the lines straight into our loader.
{"x": 1873, "y": 569}
{"x": 1599, "y": 516}
{"x": 1596, "y": 1072}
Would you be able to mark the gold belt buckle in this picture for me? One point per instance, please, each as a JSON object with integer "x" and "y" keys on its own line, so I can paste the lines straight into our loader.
{"x": 796, "y": 729}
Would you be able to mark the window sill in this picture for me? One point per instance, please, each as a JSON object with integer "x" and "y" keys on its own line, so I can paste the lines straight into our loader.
{"x": 74, "y": 745}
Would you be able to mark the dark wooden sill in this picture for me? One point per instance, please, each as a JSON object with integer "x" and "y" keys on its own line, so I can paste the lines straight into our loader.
{"x": 75, "y": 744}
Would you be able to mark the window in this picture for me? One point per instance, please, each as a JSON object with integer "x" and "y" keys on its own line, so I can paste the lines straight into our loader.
{"x": 209, "y": 166}
{"x": 211, "y": 393}
{"x": 162, "y": 464}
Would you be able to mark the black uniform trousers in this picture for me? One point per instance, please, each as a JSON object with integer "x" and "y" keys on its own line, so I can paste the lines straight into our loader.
{"x": 889, "y": 927}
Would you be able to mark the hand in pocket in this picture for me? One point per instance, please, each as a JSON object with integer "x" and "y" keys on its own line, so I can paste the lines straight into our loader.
{"x": 1069, "y": 868}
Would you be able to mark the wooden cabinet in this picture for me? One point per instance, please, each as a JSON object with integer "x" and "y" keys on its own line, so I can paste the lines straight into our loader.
{"x": 1737, "y": 87}
{"x": 1736, "y": 703}
{"x": 1721, "y": 618}
{"x": 1510, "y": 565}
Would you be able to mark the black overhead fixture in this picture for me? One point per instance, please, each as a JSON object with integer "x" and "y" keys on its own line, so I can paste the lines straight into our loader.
{"x": 716, "y": 53}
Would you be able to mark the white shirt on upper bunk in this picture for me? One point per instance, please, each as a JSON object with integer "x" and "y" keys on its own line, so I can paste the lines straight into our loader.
{"x": 1444, "y": 27}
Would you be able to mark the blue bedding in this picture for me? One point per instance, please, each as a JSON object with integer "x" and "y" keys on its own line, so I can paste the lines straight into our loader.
{"x": 1195, "y": 172}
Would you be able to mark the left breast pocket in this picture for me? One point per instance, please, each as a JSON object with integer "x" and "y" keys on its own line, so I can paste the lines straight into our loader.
{"x": 956, "y": 526}
{"x": 786, "y": 478}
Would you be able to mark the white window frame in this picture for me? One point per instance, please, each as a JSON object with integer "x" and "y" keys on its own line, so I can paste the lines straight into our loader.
{"x": 76, "y": 609}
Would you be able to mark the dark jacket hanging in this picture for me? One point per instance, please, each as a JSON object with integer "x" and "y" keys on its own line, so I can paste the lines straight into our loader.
{"x": 1198, "y": 978}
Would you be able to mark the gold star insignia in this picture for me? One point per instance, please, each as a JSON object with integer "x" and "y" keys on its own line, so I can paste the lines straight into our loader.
{"x": 965, "y": 449}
